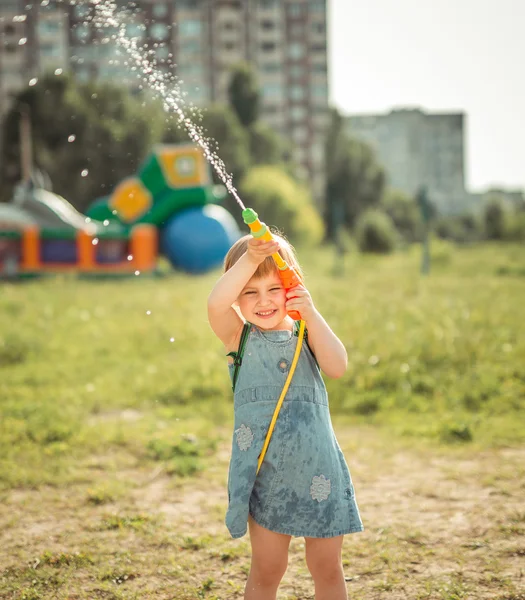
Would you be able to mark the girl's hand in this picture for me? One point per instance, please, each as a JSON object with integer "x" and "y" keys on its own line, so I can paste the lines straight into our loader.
{"x": 258, "y": 250}
{"x": 298, "y": 298}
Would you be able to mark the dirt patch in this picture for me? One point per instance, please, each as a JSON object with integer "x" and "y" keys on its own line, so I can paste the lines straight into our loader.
{"x": 440, "y": 525}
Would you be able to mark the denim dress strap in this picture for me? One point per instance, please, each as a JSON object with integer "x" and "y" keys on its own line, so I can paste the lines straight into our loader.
{"x": 237, "y": 356}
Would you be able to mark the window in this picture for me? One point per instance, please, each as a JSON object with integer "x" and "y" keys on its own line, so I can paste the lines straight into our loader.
{"x": 190, "y": 70}
{"x": 296, "y": 50}
{"x": 317, "y": 5}
{"x": 187, "y": 4}
{"x": 159, "y": 31}
{"x": 82, "y": 11}
{"x": 198, "y": 94}
{"x": 162, "y": 52}
{"x": 135, "y": 30}
{"x": 229, "y": 26}
{"x": 296, "y": 71}
{"x": 190, "y": 27}
{"x": 267, "y": 25}
{"x": 271, "y": 90}
{"x": 318, "y": 27}
{"x": 229, "y": 46}
{"x": 267, "y": 3}
{"x": 298, "y": 113}
{"x": 268, "y": 46}
{"x": 82, "y": 32}
{"x": 320, "y": 90}
{"x": 295, "y": 10}
{"x": 49, "y": 50}
{"x": 48, "y": 28}
{"x": 319, "y": 68}
{"x": 318, "y": 47}
{"x": 297, "y": 92}
{"x": 160, "y": 11}
{"x": 191, "y": 46}
{"x": 272, "y": 67}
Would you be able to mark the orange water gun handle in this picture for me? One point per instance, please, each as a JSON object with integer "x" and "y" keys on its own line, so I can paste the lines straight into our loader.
{"x": 287, "y": 274}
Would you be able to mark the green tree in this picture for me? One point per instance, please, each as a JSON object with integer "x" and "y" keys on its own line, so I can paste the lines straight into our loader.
{"x": 229, "y": 143}
{"x": 226, "y": 139}
{"x": 495, "y": 219}
{"x": 266, "y": 146}
{"x": 404, "y": 212}
{"x": 243, "y": 94}
{"x": 282, "y": 202}
{"x": 86, "y": 137}
{"x": 375, "y": 232}
{"x": 354, "y": 179}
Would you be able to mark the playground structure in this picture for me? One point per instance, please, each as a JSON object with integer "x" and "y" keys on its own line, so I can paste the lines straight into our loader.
{"x": 169, "y": 207}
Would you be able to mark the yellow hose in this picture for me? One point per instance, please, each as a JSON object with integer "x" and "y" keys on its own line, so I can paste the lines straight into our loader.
{"x": 283, "y": 394}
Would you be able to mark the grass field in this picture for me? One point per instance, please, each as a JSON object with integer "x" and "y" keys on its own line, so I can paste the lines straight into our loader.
{"x": 115, "y": 412}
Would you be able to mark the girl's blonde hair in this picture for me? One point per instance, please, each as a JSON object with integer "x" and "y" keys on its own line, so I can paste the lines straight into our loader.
{"x": 268, "y": 266}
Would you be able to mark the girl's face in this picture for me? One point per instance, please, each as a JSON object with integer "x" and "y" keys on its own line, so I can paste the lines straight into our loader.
{"x": 263, "y": 302}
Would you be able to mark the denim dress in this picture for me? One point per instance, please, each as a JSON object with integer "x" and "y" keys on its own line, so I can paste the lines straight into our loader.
{"x": 304, "y": 487}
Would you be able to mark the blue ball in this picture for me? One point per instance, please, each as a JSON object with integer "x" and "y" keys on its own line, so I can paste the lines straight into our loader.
{"x": 197, "y": 239}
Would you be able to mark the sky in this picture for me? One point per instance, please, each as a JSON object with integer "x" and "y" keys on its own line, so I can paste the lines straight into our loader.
{"x": 439, "y": 55}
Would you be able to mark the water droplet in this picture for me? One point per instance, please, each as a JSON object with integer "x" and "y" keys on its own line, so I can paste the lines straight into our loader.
{"x": 33, "y": 81}
{"x": 22, "y": 41}
{"x": 148, "y": 312}
{"x": 71, "y": 138}
{"x": 137, "y": 272}
{"x": 59, "y": 71}
{"x": 105, "y": 222}
{"x": 95, "y": 241}
{"x": 130, "y": 256}
{"x": 172, "y": 340}
{"x": 85, "y": 173}
{"x": 87, "y": 219}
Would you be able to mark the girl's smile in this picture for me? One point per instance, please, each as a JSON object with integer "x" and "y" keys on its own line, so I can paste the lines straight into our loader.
{"x": 263, "y": 301}
{"x": 266, "y": 314}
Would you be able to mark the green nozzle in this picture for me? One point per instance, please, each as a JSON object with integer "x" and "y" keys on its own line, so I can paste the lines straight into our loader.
{"x": 249, "y": 216}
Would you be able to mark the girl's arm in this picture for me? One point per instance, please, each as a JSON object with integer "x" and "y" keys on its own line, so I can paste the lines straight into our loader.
{"x": 224, "y": 319}
{"x": 326, "y": 346}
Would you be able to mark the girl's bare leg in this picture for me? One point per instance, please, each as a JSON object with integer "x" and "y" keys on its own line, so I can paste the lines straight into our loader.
{"x": 269, "y": 562}
{"x": 323, "y": 557}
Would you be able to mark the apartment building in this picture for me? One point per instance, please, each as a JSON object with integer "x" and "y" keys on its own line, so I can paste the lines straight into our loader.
{"x": 197, "y": 40}
{"x": 419, "y": 149}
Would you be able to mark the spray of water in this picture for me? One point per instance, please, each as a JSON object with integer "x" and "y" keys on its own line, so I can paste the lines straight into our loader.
{"x": 106, "y": 16}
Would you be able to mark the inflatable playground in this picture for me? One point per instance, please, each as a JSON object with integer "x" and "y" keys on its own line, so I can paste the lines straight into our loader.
{"x": 169, "y": 207}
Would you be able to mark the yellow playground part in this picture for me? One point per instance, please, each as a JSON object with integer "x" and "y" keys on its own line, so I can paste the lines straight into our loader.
{"x": 130, "y": 200}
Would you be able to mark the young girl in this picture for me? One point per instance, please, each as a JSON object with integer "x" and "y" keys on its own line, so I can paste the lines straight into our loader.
{"x": 303, "y": 487}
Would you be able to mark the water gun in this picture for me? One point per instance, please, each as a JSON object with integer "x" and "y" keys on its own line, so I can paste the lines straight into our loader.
{"x": 288, "y": 274}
